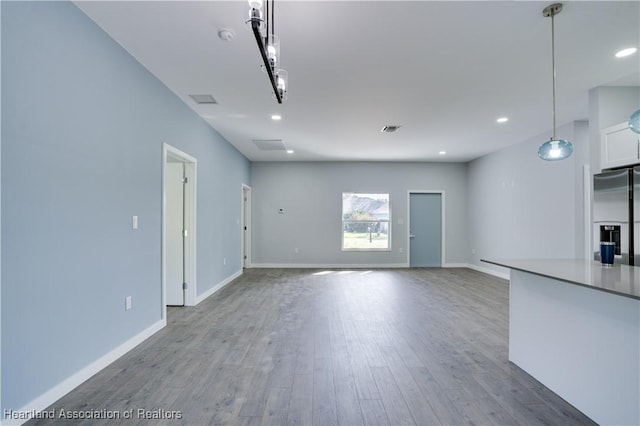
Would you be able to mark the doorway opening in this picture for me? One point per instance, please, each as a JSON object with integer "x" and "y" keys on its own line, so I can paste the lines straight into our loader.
{"x": 426, "y": 229}
{"x": 178, "y": 228}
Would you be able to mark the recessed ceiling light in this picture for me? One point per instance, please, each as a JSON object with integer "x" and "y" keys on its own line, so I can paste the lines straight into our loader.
{"x": 276, "y": 117}
{"x": 290, "y": 151}
{"x": 626, "y": 52}
{"x": 442, "y": 152}
{"x": 502, "y": 120}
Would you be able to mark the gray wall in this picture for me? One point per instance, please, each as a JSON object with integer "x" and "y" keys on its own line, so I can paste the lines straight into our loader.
{"x": 83, "y": 127}
{"x": 0, "y": 207}
{"x": 311, "y": 196}
{"x": 523, "y": 207}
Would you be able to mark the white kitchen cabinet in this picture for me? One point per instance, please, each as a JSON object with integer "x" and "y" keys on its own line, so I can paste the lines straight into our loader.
{"x": 619, "y": 146}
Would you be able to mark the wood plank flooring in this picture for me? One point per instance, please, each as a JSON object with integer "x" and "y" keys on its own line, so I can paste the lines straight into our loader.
{"x": 311, "y": 347}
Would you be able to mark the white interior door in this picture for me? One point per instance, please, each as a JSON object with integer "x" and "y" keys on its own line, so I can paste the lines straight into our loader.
{"x": 174, "y": 233}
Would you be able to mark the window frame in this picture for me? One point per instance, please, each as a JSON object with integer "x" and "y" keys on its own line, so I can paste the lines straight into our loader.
{"x": 343, "y": 221}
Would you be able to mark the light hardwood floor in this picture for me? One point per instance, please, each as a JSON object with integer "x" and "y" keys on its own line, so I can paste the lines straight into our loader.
{"x": 300, "y": 346}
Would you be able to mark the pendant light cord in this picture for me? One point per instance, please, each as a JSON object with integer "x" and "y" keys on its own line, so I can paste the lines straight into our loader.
{"x": 266, "y": 35}
{"x": 553, "y": 71}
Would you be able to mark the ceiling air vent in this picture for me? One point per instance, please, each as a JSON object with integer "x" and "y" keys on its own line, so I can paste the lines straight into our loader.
{"x": 389, "y": 129}
{"x": 269, "y": 144}
{"x": 203, "y": 99}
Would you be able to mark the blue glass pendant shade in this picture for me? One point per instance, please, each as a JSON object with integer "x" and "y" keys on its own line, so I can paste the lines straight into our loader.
{"x": 555, "y": 149}
{"x": 634, "y": 121}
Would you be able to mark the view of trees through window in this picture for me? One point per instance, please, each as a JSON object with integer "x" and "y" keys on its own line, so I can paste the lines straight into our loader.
{"x": 365, "y": 221}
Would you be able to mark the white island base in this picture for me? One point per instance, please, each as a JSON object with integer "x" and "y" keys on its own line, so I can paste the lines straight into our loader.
{"x": 580, "y": 341}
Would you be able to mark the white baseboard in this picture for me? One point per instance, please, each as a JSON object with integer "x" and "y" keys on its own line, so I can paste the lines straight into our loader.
{"x": 70, "y": 383}
{"x": 217, "y": 287}
{"x": 455, "y": 265}
{"x": 500, "y": 274}
{"x": 329, "y": 266}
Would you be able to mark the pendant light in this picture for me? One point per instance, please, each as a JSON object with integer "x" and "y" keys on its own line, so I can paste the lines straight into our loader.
{"x": 554, "y": 149}
{"x": 634, "y": 121}
{"x": 268, "y": 45}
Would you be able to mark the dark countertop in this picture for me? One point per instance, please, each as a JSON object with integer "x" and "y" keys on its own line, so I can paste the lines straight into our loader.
{"x": 623, "y": 280}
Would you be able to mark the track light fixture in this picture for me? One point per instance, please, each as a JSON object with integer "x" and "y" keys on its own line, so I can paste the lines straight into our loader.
{"x": 554, "y": 149}
{"x": 269, "y": 45}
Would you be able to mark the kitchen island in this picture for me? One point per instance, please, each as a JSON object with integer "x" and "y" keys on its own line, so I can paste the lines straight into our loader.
{"x": 575, "y": 327}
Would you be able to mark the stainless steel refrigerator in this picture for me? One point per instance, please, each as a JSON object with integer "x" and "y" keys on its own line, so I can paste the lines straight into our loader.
{"x": 616, "y": 213}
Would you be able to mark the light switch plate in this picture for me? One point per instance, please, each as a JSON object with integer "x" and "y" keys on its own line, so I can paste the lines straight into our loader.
{"x": 134, "y": 222}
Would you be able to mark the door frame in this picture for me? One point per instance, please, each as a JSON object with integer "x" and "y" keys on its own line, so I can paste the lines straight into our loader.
{"x": 245, "y": 236}
{"x": 442, "y": 222}
{"x": 191, "y": 165}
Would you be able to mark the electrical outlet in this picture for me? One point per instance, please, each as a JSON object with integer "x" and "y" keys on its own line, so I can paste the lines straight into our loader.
{"x": 134, "y": 222}
{"x": 127, "y": 303}
{"x": 224, "y": 261}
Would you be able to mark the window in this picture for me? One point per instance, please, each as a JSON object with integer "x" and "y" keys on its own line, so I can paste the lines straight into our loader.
{"x": 365, "y": 221}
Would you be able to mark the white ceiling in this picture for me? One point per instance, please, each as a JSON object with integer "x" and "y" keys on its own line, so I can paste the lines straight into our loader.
{"x": 444, "y": 71}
